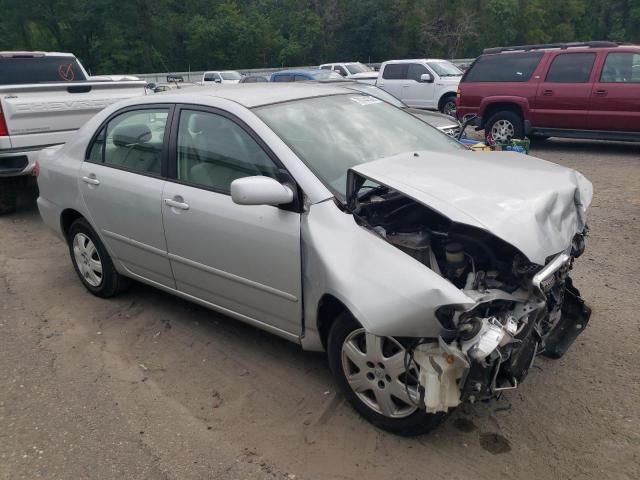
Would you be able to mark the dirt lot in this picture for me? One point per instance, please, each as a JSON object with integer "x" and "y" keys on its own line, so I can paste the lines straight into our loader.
{"x": 150, "y": 386}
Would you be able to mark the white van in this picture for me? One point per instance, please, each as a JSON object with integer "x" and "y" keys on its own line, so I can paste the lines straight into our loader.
{"x": 227, "y": 76}
{"x": 422, "y": 83}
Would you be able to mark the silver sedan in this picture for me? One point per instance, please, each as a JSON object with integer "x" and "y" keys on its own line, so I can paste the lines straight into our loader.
{"x": 430, "y": 275}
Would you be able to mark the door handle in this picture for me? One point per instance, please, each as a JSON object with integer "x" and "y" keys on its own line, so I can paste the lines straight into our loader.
{"x": 548, "y": 93}
{"x": 600, "y": 93}
{"x": 176, "y": 202}
{"x": 91, "y": 180}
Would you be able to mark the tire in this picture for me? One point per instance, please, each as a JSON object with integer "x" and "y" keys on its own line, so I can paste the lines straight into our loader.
{"x": 507, "y": 123}
{"x": 406, "y": 419}
{"x": 92, "y": 262}
{"x": 8, "y": 194}
{"x": 448, "y": 105}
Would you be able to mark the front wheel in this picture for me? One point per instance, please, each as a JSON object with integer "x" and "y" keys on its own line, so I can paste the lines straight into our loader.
{"x": 370, "y": 371}
{"x": 448, "y": 105}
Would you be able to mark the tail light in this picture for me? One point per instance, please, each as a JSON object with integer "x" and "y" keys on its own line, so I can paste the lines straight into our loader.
{"x": 36, "y": 169}
{"x": 4, "y": 131}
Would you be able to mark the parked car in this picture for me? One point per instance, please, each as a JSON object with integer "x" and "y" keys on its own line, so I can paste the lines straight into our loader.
{"x": 165, "y": 87}
{"x": 226, "y": 76}
{"x": 576, "y": 90}
{"x": 422, "y": 83}
{"x": 44, "y": 98}
{"x": 430, "y": 275}
{"x": 254, "y": 79}
{"x": 304, "y": 75}
{"x": 445, "y": 123}
{"x": 353, "y": 70}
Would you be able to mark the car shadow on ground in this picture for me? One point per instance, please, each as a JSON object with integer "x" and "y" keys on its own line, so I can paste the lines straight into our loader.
{"x": 558, "y": 145}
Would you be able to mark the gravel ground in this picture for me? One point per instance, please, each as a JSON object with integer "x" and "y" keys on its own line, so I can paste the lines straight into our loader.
{"x": 149, "y": 386}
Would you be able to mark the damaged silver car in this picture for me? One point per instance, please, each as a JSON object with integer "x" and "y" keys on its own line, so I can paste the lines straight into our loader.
{"x": 431, "y": 275}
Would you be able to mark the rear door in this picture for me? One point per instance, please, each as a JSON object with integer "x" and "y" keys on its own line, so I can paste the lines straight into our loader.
{"x": 562, "y": 99}
{"x": 121, "y": 183}
{"x": 244, "y": 260}
{"x": 615, "y": 98}
{"x": 393, "y": 78}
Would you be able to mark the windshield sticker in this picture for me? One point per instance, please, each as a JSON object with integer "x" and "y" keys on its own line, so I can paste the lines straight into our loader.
{"x": 66, "y": 72}
{"x": 365, "y": 100}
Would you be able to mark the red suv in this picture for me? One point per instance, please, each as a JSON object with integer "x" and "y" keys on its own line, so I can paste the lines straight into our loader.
{"x": 576, "y": 90}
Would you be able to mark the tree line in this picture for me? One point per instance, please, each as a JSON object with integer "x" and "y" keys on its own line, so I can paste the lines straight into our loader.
{"x": 140, "y": 36}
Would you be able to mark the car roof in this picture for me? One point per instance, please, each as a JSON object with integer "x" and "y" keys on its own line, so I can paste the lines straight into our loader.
{"x": 408, "y": 60}
{"x": 252, "y": 95}
{"x": 35, "y": 54}
{"x": 308, "y": 71}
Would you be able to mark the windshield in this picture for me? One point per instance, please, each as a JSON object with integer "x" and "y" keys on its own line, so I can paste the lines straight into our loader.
{"x": 231, "y": 75}
{"x": 326, "y": 75}
{"x": 378, "y": 93}
{"x": 445, "y": 69}
{"x": 332, "y": 134}
{"x": 358, "y": 67}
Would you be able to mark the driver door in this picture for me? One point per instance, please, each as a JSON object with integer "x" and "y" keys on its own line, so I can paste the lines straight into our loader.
{"x": 416, "y": 93}
{"x": 242, "y": 260}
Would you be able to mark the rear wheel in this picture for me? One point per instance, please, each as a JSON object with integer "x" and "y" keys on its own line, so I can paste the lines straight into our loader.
{"x": 92, "y": 262}
{"x": 8, "y": 193}
{"x": 503, "y": 126}
{"x": 371, "y": 373}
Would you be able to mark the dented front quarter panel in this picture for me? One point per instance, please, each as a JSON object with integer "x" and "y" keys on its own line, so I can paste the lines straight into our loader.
{"x": 387, "y": 291}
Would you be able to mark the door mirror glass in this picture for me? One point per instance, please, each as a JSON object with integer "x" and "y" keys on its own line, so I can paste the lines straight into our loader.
{"x": 259, "y": 190}
{"x": 426, "y": 78}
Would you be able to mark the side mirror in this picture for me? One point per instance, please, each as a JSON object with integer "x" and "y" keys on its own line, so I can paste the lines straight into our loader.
{"x": 260, "y": 190}
{"x": 426, "y": 78}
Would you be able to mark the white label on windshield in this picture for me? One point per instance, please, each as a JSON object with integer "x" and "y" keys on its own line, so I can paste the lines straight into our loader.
{"x": 365, "y": 100}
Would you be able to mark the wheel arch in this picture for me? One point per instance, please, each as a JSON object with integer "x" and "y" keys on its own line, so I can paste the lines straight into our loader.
{"x": 490, "y": 106}
{"x": 328, "y": 311}
{"x": 67, "y": 217}
{"x": 444, "y": 96}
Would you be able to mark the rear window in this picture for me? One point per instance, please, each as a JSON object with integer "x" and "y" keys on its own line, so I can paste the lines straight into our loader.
{"x": 507, "y": 67}
{"x": 19, "y": 71}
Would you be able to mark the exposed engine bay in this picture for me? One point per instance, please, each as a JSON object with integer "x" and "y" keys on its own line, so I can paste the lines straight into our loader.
{"x": 521, "y": 309}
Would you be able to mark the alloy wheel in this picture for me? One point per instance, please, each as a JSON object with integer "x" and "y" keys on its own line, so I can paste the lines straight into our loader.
{"x": 502, "y": 131}
{"x": 449, "y": 108}
{"x": 87, "y": 259}
{"x": 375, "y": 370}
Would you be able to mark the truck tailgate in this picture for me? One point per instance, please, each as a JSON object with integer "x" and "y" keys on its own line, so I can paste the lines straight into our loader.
{"x": 47, "y": 114}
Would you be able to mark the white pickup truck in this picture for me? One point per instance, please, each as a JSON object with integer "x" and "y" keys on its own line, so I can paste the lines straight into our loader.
{"x": 44, "y": 98}
{"x": 422, "y": 83}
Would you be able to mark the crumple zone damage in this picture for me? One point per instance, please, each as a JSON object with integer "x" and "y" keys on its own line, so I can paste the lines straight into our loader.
{"x": 518, "y": 309}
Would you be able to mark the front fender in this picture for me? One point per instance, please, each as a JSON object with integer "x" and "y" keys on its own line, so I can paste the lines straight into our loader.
{"x": 387, "y": 291}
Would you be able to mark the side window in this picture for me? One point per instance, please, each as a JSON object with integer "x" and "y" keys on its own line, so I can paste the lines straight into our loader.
{"x": 621, "y": 68}
{"x": 415, "y": 70}
{"x": 213, "y": 151}
{"x": 96, "y": 152}
{"x": 341, "y": 70}
{"x": 571, "y": 68}
{"x": 325, "y": 67}
{"x": 283, "y": 78}
{"x": 503, "y": 67}
{"x": 132, "y": 140}
{"x": 395, "y": 71}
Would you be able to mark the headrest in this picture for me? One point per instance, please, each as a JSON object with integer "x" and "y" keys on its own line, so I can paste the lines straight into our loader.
{"x": 205, "y": 123}
{"x": 131, "y": 134}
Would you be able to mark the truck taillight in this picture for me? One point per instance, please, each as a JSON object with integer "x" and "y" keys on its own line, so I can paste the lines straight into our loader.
{"x": 36, "y": 169}
{"x": 4, "y": 131}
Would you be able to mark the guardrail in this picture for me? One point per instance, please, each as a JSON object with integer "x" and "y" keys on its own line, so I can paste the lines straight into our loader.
{"x": 196, "y": 76}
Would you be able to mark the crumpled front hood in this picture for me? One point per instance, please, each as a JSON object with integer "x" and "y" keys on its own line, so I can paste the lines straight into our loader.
{"x": 535, "y": 205}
